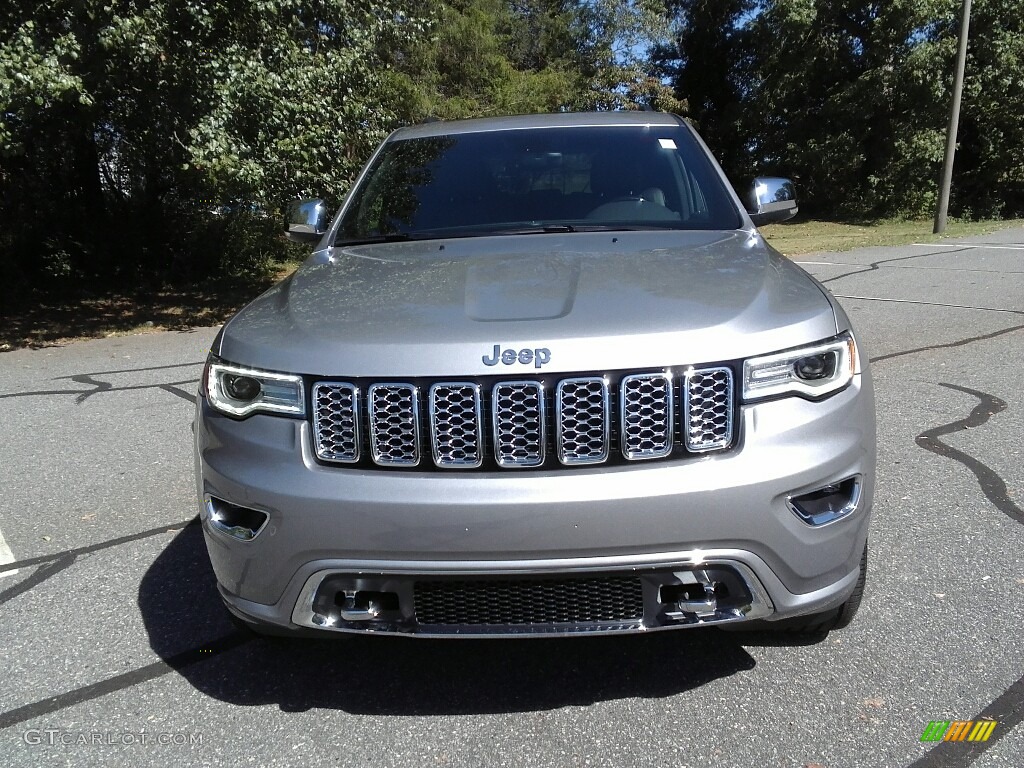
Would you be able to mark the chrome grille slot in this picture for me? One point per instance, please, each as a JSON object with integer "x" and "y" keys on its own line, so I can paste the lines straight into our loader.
{"x": 645, "y": 408}
{"x": 707, "y": 409}
{"x": 455, "y": 424}
{"x": 336, "y": 421}
{"x": 581, "y": 420}
{"x": 394, "y": 424}
{"x": 517, "y": 415}
{"x": 525, "y": 602}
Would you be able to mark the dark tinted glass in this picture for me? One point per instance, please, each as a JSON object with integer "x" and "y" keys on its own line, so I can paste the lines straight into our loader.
{"x": 505, "y": 181}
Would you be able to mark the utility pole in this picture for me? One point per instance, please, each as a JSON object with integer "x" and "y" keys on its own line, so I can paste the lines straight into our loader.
{"x": 954, "y": 119}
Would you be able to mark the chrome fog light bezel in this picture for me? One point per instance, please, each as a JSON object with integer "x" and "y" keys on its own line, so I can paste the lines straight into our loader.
{"x": 818, "y": 519}
{"x": 217, "y": 520}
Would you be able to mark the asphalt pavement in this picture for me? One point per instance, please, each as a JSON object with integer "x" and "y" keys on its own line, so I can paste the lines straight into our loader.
{"x": 116, "y": 651}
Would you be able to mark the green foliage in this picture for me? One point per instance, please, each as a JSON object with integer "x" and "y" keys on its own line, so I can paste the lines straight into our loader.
{"x": 989, "y": 169}
{"x": 146, "y": 142}
{"x": 490, "y": 57}
{"x": 463, "y": 69}
{"x": 125, "y": 128}
{"x": 851, "y": 98}
{"x": 852, "y": 101}
{"x": 708, "y": 64}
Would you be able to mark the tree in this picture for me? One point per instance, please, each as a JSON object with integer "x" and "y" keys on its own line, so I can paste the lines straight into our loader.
{"x": 125, "y": 128}
{"x": 850, "y": 98}
{"x": 708, "y": 65}
{"x": 988, "y": 175}
{"x": 490, "y": 57}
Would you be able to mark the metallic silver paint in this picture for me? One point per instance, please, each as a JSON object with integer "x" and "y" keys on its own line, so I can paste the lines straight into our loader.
{"x": 642, "y": 300}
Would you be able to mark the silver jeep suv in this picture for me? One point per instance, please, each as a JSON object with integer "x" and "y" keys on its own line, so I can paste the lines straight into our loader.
{"x": 541, "y": 375}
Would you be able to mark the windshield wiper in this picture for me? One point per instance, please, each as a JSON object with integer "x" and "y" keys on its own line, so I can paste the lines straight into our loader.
{"x": 394, "y": 237}
{"x": 564, "y": 228}
{"x": 538, "y": 230}
{"x": 645, "y": 227}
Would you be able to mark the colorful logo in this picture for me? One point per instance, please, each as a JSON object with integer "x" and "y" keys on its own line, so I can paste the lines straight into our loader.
{"x": 958, "y": 730}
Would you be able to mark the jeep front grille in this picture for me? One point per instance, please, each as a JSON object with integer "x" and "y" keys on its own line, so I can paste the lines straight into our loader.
{"x": 530, "y": 423}
{"x": 525, "y": 602}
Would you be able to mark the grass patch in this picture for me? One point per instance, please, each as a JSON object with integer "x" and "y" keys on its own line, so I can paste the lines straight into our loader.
{"x": 801, "y": 237}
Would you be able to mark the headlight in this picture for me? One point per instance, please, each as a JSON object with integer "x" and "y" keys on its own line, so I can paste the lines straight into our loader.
{"x": 814, "y": 371}
{"x": 239, "y": 391}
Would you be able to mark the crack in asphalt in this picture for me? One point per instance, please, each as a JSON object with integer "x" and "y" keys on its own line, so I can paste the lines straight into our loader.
{"x": 189, "y": 396}
{"x": 929, "y": 303}
{"x": 1008, "y": 708}
{"x": 948, "y": 345}
{"x": 992, "y": 485}
{"x": 101, "y": 386}
{"x": 921, "y": 269}
{"x": 996, "y": 245}
{"x": 1007, "y": 711}
{"x": 874, "y": 266}
{"x": 61, "y": 562}
{"x": 89, "y": 379}
{"x": 85, "y": 378}
{"x": 131, "y": 370}
{"x": 57, "y": 562}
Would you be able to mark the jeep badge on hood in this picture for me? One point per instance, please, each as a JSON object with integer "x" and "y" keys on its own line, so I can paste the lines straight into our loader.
{"x": 525, "y": 356}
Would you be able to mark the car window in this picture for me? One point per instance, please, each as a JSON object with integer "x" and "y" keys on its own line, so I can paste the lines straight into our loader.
{"x": 505, "y": 181}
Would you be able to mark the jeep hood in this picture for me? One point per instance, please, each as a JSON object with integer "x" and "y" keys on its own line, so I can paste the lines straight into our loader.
{"x": 595, "y": 301}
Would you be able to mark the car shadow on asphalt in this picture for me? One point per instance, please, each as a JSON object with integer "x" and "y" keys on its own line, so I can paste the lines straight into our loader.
{"x": 188, "y": 627}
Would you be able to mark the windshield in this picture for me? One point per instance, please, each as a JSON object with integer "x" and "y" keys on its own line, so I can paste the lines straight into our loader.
{"x": 539, "y": 180}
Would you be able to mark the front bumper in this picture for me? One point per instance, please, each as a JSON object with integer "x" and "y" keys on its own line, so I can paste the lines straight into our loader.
{"x": 379, "y": 531}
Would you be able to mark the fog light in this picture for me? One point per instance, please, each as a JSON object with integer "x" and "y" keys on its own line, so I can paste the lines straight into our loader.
{"x": 828, "y": 503}
{"x": 235, "y": 521}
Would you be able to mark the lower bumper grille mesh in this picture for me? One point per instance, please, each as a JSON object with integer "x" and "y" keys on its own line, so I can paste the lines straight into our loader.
{"x": 540, "y": 601}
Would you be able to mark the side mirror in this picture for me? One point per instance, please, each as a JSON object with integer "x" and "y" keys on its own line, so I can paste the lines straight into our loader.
{"x": 307, "y": 220}
{"x": 771, "y": 200}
